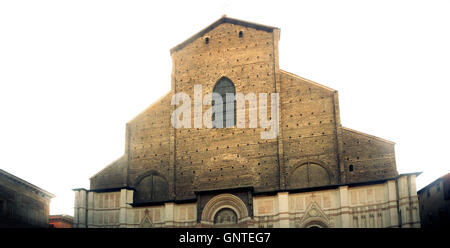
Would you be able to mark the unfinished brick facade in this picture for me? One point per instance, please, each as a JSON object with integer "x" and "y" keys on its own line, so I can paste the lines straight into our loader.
{"x": 165, "y": 164}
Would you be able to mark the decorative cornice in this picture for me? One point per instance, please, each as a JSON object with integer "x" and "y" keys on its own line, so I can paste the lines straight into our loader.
{"x": 26, "y": 184}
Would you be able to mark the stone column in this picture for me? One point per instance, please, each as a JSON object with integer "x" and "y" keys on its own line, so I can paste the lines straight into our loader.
{"x": 126, "y": 198}
{"x": 90, "y": 209}
{"x": 81, "y": 208}
{"x": 283, "y": 209}
{"x": 403, "y": 200}
{"x": 343, "y": 202}
{"x": 169, "y": 208}
{"x": 75, "y": 209}
{"x": 392, "y": 203}
{"x": 129, "y": 209}
{"x": 415, "y": 218}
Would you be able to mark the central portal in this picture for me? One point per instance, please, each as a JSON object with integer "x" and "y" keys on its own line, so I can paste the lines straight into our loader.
{"x": 225, "y": 210}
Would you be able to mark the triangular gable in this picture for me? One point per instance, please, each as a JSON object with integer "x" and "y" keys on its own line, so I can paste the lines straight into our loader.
{"x": 314, "y": 213}
{"x": 223, "y": 19}
{"x": 368, "y": 135}
{"x": 146, "y": 221}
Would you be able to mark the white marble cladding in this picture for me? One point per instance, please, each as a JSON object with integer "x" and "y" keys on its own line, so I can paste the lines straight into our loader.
{"x": 107, "y": 200}
{"x": 105, "y": 210}
{"x": 392, "y": 203}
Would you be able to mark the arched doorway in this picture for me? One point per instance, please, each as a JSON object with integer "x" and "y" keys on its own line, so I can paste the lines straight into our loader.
{"x": 315, "y": 224}
{"x": 225, "y": 210}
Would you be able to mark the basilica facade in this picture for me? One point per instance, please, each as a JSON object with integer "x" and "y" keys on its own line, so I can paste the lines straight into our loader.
{"x": 198, "y": 170}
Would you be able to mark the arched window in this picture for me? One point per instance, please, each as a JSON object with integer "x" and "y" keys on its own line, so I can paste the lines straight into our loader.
{"x": 152, "y": 188}
{"x": 225, "y": 88}
{"x": 309, "y": 175}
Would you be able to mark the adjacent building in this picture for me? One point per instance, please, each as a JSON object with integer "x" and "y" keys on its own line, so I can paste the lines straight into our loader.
{"x": 312, "y": 173}
{"x": 434, "y": 201}
{"x": 61, "y": 221}
{"x": 22, "y": 204}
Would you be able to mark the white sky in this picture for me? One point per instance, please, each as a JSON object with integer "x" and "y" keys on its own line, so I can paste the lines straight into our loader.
{"x": 72, "y": 73}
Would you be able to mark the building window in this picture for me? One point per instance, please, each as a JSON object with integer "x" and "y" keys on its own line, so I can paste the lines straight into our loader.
{"x": 241, "y": 34}
{"x": 207, "y": 40}
{"x": 10, "y": 210}
{"x": 151, "y": 188}
{"x": 350, "y": 167}
{"x": 224, "y": 104}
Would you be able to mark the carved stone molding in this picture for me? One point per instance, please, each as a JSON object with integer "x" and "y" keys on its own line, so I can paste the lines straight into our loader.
{"x": 224, "y": 201}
